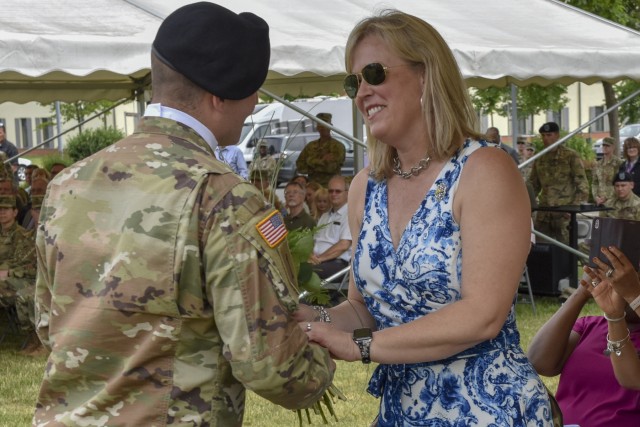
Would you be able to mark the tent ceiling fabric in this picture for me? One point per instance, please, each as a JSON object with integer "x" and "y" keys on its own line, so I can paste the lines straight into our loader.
{"x": 74, "y": 49}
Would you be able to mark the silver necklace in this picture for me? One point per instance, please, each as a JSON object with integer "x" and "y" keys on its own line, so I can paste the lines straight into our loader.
{"x": 414, "y": 171}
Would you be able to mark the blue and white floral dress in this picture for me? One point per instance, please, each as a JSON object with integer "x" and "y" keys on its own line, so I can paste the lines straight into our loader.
{"x": 490, "y": 384}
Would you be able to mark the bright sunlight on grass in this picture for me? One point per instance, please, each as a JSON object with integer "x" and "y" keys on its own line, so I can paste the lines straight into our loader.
{"x": 20, "y": 377}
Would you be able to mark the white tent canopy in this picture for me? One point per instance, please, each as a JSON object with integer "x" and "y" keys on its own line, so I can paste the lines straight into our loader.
{"x": 73, "y": 49}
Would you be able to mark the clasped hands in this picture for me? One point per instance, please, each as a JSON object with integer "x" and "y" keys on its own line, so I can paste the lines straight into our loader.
{"x": 339, "y": 343}
{"x": 612, "y": 287}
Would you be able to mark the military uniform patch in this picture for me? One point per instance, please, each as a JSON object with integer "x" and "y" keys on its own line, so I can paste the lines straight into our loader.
{"x": 272, "y": 229}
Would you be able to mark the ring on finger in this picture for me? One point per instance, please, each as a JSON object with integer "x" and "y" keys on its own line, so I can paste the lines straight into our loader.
{"x": 595, "y": 283}
{"x": 609, "y": 272}
{"x": 308, "y": 327}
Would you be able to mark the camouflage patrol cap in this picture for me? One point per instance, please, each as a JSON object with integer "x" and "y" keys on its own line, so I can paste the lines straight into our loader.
{"x": 225, "y": 53}
{"x": 7, "y": 202}
{"x": 608, "y": 141}
{"x": 623, "y": 177}
{"x": 36, "y": 202}
{"x": 325, "y": 117}
{"x": 530, "y": 147}
{"x": 263, "y": 143}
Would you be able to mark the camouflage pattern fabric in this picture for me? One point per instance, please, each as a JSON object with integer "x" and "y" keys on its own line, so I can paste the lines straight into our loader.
{"x": 558, "y": 178}
{"x": 157, "y": 295}
{"x": 321, "y": 160}
{"x": 264, "y": 165}
{"x": 623, "y": 209}
{"x": 17, "y": 247}
{"x": 602, "y": 178}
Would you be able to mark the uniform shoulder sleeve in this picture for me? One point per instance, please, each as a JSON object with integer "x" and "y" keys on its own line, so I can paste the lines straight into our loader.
{"x": 251, "y": 285}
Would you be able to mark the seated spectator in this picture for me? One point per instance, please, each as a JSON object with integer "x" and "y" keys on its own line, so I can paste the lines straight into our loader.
{"x": 296, "y": 216}
{"x": 312, "y": 187}
{"x": 618, "y": 295}
{"x": 38, "y": 189}
{"x": 17, "y": 262}
{"x": 262, "y": 180}
{"x": 56, "y": 168}
{"x": 27, "y": 177}
{"x": 625, "y": 203}
{"x": 302, "y": 179}
{"x": 588, "y": 392}
{"x": 332, "y": 248}
{"x": 321, "y": 203}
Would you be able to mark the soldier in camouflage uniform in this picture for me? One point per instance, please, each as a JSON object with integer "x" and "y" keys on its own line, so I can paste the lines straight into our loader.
{"x": 263, "y": 162}
{"x": 625, "y": 203}
{"x": 557, "y": 178}
{"x": 323, "y": 158}
{"x": 604, "y": 172}
{"x": 165, "y": 286}
{"x": 17, "y": 260}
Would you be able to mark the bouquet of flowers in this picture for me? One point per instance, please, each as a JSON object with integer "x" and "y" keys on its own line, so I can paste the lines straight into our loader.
{"x": 301, "y": 247}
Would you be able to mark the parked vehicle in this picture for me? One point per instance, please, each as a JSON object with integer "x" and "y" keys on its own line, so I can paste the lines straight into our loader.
{"x": 287, "y": 148}
{"x": 625, "y": 132}
{"x": 278, "y": 119}
{"x": 22, "y": 168}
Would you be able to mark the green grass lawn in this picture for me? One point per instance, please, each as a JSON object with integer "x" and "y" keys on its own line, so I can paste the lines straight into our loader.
{"x": 20, "y": 378}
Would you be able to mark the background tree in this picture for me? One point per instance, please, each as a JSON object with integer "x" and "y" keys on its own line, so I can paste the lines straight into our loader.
{"x": 627, "y": 13}
{"x": 80, "y": 110}
{"x": 531, "y": 100}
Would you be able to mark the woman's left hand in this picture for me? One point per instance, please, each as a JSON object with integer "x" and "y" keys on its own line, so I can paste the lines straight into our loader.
{"x": 623, "y": 277}
{"x": 602, "y": 291}
{"x": 339, "y": 343}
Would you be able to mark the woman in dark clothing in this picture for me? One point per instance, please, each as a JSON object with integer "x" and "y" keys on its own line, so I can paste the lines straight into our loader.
{"x": 631, "y": 152}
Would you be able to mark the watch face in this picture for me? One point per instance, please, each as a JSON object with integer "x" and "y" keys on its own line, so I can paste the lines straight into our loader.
{"x": 361, "y": 333}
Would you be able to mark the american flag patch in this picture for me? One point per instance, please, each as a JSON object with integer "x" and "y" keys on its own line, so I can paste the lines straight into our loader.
{"x": 272, "y": 229}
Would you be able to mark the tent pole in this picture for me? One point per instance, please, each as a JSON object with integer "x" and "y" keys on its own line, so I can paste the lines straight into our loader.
{"x": 514, "y": 115}
{"x": 59, "y": 126}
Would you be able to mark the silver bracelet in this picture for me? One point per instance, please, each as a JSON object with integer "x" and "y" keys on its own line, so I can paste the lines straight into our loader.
{"x": 617, "y": 346}
{"x": 635, "y": 303}
{"x": 613, "y": 319}
{"x": 322, "y": 313}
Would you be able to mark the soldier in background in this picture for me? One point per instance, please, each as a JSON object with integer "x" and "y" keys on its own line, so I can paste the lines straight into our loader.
{"x": 625, "y": 204}
{"x": 165, "y": 285}
{"x": 323, "y": 158}
{"x": 604, "y": 172}
{"x": 17, "y": 263}
{"x": 263, "y": 162}
{"x": 557, "y": 178}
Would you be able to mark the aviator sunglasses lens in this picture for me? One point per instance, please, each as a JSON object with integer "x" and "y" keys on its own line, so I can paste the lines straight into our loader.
{"x": 351, "y": 85}
{"x": 374, "y": 74}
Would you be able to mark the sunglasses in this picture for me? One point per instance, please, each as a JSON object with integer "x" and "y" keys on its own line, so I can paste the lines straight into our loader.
{"x": 374, "y": 74}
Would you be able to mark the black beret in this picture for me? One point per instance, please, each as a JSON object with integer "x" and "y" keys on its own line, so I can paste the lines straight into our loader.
{"x": 549, "y": 127}
{"x": 623, "y": 177}
{"x": 225, "y": 53}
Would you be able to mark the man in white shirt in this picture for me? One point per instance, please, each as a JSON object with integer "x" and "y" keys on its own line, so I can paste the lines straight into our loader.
{"x": 332, "y": 248}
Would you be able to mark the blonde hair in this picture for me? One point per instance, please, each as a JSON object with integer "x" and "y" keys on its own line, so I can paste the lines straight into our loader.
{"x": 447, "y": 109}
{"x": 320, "y": 193}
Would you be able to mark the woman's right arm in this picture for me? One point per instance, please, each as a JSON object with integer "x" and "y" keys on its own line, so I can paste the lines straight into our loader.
{"x": 555, "y": 341}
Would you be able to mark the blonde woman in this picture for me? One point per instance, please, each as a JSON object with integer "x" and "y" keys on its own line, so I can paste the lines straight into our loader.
{"x": 440, "y": 324}
{"x": 321, "y": 203}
